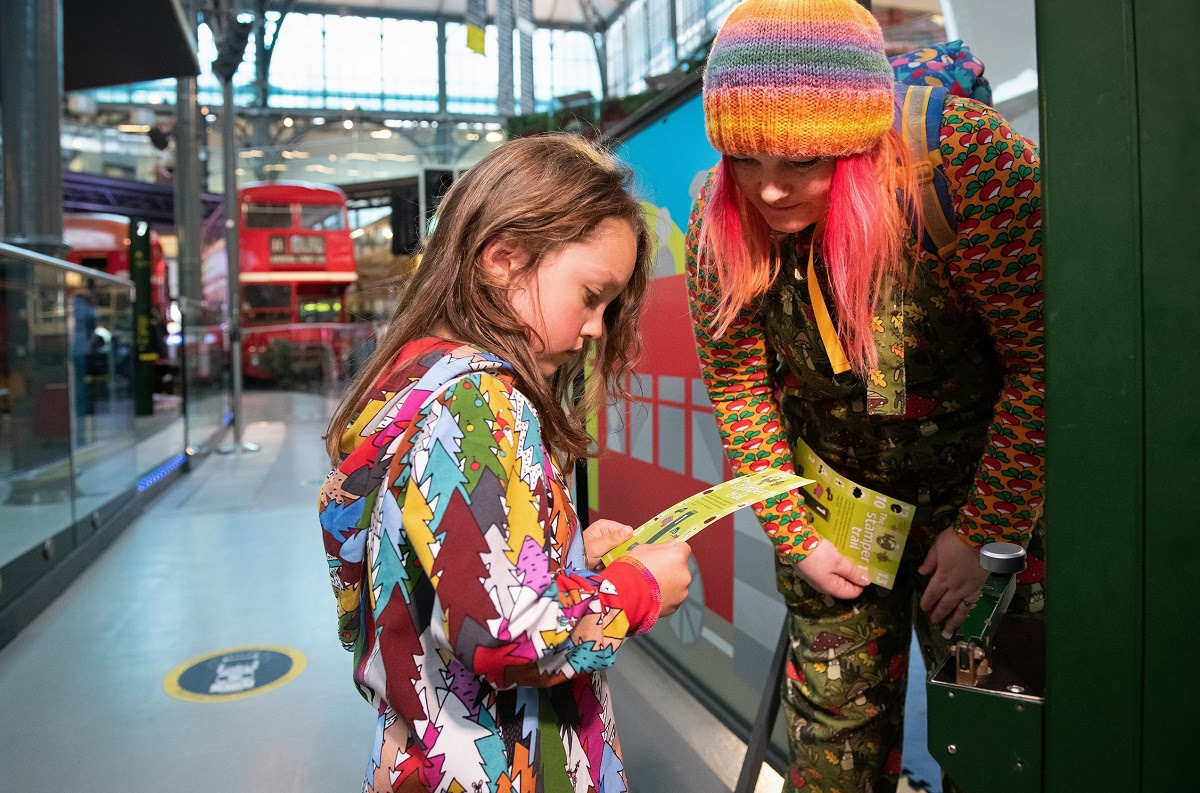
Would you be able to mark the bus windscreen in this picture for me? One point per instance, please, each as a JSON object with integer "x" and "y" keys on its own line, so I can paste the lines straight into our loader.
{"x": 268, "y": 216}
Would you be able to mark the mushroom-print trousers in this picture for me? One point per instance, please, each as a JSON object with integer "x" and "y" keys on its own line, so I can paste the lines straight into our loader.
{"x": 846, "y": 669}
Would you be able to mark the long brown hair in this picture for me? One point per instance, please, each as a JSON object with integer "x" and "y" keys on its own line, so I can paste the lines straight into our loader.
{"x": 542, "y": 193}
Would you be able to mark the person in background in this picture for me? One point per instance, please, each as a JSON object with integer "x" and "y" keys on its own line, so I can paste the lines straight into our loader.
{"x": 84, "y": 345}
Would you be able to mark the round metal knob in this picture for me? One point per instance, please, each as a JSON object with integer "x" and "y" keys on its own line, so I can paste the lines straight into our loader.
{"x": 1005, "y": 558}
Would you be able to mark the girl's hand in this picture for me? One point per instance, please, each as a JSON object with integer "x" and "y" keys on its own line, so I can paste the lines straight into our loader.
{"x": 828, "y": 572}
{"x": 668, "y": 563}
{"x": 955, "y": 583}
{"x": 601, "y": 537}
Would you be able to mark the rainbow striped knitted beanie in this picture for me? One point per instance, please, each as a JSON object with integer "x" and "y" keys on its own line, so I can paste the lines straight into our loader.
{"x": 798, "y": 78}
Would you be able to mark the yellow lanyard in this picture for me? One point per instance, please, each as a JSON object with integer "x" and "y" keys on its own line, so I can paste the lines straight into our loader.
{"x": 829, "y": 334}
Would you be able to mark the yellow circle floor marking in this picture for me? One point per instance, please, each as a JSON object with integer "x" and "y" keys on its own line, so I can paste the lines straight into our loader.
{"x": 234, "y": 674}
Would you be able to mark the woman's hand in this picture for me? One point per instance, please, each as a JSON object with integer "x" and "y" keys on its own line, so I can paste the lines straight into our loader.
{"x": 956, "y": 579}
{"x": 601, "y": 537}
{"x": 668, "y": 563}
{"x": 830, "y": 573}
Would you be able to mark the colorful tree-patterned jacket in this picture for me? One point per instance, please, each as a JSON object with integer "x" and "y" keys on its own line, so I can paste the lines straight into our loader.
{"x": 968, "y": 447}
{"x": 478, "y": 634}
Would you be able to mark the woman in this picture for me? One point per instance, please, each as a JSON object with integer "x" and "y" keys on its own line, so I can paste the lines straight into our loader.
{"x": 827, "y": 332}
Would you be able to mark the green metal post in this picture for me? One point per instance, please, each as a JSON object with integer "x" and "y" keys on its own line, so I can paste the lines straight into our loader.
{"x": 1120, "y": 126}
{"x": 1094, "y": 439}
{"x": 144, "y": 353}
{"x": 1165, "y": 34}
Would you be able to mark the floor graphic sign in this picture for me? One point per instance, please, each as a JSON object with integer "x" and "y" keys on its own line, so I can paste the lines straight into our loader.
{"x": 234, "y": 674}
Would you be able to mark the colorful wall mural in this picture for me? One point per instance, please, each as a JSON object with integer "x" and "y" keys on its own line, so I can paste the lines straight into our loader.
{"x": 663, "y": 444}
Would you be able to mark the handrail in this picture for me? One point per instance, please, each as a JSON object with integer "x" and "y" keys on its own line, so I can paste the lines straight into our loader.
{"x": 40, "y": 258}
{"x": 273, "y": 328}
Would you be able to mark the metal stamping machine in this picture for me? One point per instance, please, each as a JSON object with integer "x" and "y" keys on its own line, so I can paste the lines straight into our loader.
{"x": 985, "y": 702}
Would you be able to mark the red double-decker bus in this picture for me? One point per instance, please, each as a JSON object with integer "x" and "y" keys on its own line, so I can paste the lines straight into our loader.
{"x": 297, "y": 259}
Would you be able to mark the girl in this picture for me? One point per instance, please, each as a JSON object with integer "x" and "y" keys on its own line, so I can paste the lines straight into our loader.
{"x": 917, "y": 374}
{"x": 479, "y": 629}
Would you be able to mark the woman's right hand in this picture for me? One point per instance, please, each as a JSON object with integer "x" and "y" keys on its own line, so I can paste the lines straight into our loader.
{"x": 830, "y": 573}
{"x": 668, "y": 563}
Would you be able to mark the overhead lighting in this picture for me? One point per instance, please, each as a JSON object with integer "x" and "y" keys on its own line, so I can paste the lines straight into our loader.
{"x": 348, "y": 106}
{"x": 210, "y": 118}
{"x": 348, "y": 124}
{"x": 240, "y": 171}
{"x": 357, "y": 233}
{"x": 393, "y": 123}
{"x": 295, "y": 155}
{"x": 385, "y": 155}
{"x": 318, "y": 121}
{"x": 143, "y": 128}
{"x": 381, "y": 134}
{"x": 252, "y": 153}
{"x": 494, "y": 137}
{"x": 317, "y": 168}
{"x": 472, "y": 136}
{"x": 275, "y": 166}
{"x": 387, "y": 232}
{"x": 287, "y": 122}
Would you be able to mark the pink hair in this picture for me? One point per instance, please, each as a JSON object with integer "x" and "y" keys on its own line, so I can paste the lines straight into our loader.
{"x": 872, "y": 198}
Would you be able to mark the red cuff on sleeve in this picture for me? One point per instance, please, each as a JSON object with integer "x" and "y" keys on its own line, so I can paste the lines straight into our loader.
{"x": 638, "y": 592}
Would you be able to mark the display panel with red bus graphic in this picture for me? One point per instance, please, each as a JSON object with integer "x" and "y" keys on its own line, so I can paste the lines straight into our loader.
{"x": 101, "y": 241}
{"x": 297, "y": 259}
{"x": 662, "y": 445}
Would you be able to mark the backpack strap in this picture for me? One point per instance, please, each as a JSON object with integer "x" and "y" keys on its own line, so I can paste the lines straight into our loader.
{"x": 919, "y": 121}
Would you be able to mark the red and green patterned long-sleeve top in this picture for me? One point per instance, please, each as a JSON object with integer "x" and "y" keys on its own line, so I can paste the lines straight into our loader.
{"x": 968, "y": 451}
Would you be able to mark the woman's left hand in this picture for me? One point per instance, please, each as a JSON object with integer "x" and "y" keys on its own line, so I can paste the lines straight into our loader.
{"x": 956, "y": 579}
{"x": 601, "y": 537}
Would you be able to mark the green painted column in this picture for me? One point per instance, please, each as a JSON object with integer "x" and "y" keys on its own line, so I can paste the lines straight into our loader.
{"x": 1094, "y": 402}
{"x": 144, "y": 354}
{"x": 1166, "y": 35}
{"x": 1121, "y": 167}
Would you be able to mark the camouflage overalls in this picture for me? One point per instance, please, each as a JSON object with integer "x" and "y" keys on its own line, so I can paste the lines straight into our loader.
{"x": 967, "y": 451}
